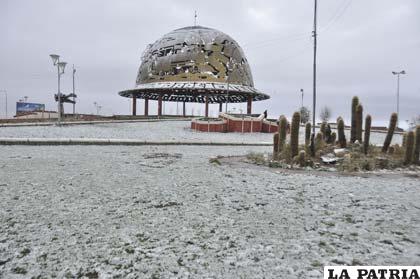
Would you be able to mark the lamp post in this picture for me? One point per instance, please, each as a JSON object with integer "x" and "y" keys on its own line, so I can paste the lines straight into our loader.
{"x": 398, "y": 93}
{"x": 74, "y": 94}
{"x": 60, "y": 70}
{"x": 314, "y": 34}
{"x": 5, "y": 93}
{"x": 301, "y": 91}
{"x": 98, "y": 107}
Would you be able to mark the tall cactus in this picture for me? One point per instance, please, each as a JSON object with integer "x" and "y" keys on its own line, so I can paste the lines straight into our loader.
{"x": 319, "y": 141}
{"x": 359, "y": 122}
{"x": 404, "y": 140}
{"x": 282, "y": 132}
{"x": 294, "y": 134}
{"x": 301, "y": 158}
{"x": 341, "y": 136}
{"x": 368, "y": 124}
{"x": 323, "y": 128}
{"x": 327, "y": 134}
{"x": 307, "y": 133}
{"x": 312, "y": 145}
{"x": 333, "y": 138}
{"x": 354, "y": 103}
{"x": 276, "y": 146}
{"x": 416, "y": 154}
{"x": 391, "y": 129}
{"x": 410, "y": 148}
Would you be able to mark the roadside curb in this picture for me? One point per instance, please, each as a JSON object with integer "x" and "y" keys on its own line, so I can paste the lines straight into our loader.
{"x": 93, "y": 141}
{"x": 69, "y": 123}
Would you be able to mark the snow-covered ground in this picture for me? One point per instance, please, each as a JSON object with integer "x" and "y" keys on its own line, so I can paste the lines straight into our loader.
{"x": 150, "y": 131}
{"x": 166, "y": 212}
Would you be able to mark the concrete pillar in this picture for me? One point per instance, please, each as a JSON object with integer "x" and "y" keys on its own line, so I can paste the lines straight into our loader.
{"x": 207, "y": 106}
{"x": 146, "y": 106}
{"x": 134, "y": 105}
{"x": 249, "y": 105}
{"x": 160, "y": 105}
{"x": 183, "y": 109}
{"x": 220, "y": 107}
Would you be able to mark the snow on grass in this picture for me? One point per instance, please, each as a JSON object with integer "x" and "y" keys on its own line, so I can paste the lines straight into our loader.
{"x": 167, "y": 212}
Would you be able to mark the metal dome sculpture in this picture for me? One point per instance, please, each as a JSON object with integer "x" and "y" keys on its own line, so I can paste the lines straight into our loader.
{"x": 194, "y": 64}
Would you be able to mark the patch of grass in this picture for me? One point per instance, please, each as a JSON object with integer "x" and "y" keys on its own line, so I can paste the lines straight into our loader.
{"x": 316, "y": 264}
{"x": 256, "y": 158}
{"x": 215, "y": 161}
{"x": 328, "y": 223}
{"x": 19, "y": 270}
{"x": 322, "y": 244}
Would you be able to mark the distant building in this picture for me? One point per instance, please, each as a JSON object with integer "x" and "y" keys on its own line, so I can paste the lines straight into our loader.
{"x": 194, "y": 64}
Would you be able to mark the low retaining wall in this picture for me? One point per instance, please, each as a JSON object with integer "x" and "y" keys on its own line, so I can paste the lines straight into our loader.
{"x": 235, "y": 123}
{"x": 83, "y": 122}
{"x": 209, "y": 126}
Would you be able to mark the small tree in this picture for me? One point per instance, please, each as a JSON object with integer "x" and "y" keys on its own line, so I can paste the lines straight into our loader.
{"x": 325, "y": 114}
{"x": 305, "y": 114}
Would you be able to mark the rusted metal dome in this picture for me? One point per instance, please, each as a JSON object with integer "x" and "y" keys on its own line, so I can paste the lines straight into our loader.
{"x": 192, "y": 63}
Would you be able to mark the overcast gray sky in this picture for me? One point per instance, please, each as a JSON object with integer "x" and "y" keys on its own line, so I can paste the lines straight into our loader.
{"x": 360, "y": 43}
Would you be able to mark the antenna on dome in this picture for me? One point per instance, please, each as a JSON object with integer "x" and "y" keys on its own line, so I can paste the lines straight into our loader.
{"x": 195, "y": 18}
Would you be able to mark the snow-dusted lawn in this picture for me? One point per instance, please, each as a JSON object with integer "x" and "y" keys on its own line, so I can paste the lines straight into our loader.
{"x": 149, "y": 131}
{"x": 127, "y": 211}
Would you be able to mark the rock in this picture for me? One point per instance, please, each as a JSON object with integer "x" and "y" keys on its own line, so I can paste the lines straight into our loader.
{"x": 329, "y": 159}
{"x": 340, "y": 152}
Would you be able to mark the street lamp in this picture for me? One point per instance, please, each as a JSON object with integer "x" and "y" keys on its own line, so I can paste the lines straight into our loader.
{"x": 98, "y": 107}
{"x": 5, "y": 93}
{"x": 398, "y": 93}
{"x": 60, "y": 70}
{"x": 301, "y": 91}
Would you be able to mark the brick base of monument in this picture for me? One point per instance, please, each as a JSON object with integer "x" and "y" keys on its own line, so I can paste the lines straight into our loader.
{"x": 231, "y": 123}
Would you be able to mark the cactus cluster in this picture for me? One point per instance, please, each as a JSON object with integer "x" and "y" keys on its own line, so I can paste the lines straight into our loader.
{"x": 391, "y": 129}
{"x": 368, "y": 124}
{"x": 410, "y": 151}
{"x": 279, "y": 139}
{"x": 353, "y": 133}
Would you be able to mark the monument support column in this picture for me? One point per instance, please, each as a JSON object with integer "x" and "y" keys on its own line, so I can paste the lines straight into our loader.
{"x": 207, "y": 106}
{"x": 249, "y": 105}
{"x": 134, "y": 108}
{"x": 183, "y": 109}
{"x": 220, "y": 107}
{"x": 160, "y": 105}
{"x": 146, "y": 106}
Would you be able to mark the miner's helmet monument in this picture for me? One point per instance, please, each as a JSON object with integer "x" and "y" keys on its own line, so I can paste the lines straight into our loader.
{"x": 194, "y": 64}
